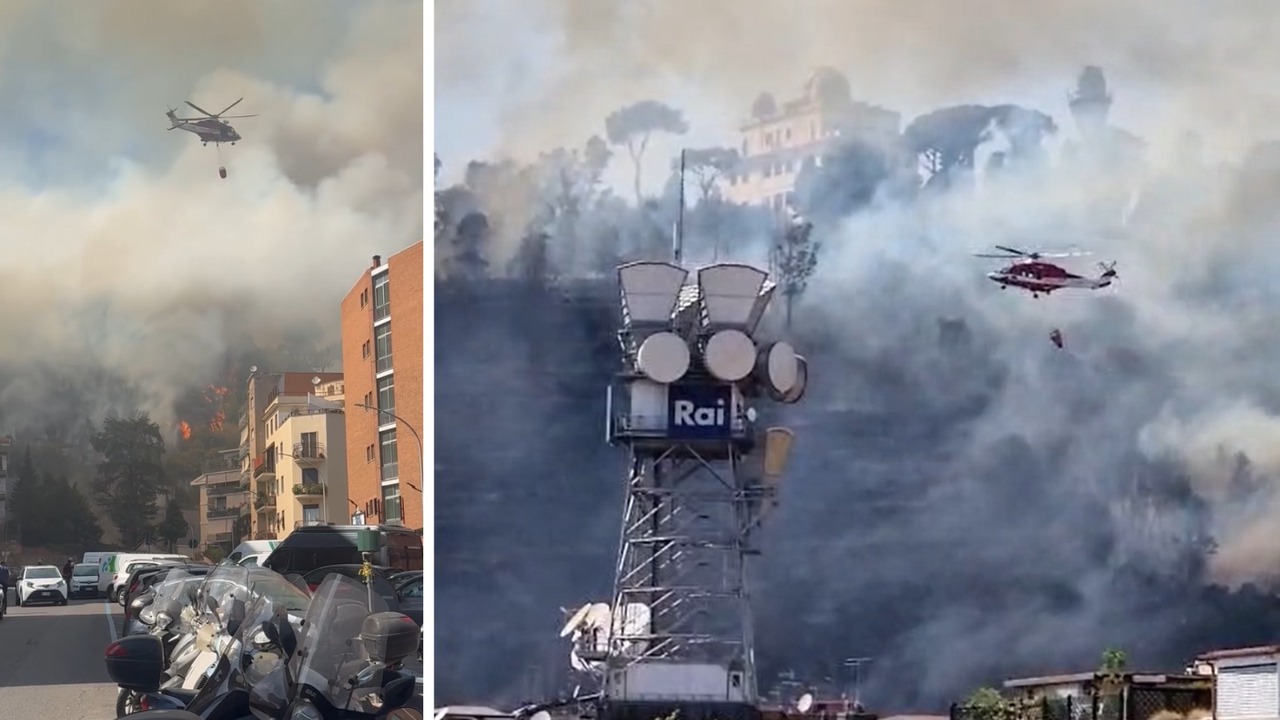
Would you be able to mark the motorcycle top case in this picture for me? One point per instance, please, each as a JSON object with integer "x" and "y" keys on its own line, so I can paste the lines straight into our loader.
{"x": 136, "y": 662}
{"x": 389, "y": 637}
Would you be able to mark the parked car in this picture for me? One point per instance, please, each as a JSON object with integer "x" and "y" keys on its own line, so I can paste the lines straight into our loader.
{"x": 381, "y": 585}
{"x": 114, "y": 570}
{"x": 144, "y": 578}
{"x": 41, "y": 583}
{"x": 84, "y": 580}
{"x": 316, "y": 546}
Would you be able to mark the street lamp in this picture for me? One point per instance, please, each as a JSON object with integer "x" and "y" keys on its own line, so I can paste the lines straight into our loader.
{"x": 417, "y": 438}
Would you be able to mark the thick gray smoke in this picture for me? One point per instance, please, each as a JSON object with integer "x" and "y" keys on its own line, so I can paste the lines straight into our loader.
{"x": 124, "y": 251}
{"x": 967, "y": 502}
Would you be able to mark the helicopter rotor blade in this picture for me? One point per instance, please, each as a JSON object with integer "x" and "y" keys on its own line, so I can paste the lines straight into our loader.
{"x": 200, "y": 109}
{"x": 1001, "y": 257}
{"x": 1015, "y": 251}
{"x": 224, "y": 110}
{"x": 227, "y": 117}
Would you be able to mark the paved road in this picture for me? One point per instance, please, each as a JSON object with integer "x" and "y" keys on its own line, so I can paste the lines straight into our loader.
{"x": 51, "y": 661}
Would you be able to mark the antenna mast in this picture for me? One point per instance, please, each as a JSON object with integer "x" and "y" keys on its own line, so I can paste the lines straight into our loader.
{"x": 677, "y": 635}
{"x": 678, "y": 241}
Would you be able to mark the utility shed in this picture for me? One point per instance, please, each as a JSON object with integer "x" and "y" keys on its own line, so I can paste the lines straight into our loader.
{"x": 1246, "y": 683}
{"x": 1085, "y": 696}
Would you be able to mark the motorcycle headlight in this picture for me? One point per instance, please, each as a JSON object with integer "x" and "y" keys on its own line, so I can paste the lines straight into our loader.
{"x": 163, "y": 619}
{"x": 148, "y": 616}
{"x": 304, "y": 710}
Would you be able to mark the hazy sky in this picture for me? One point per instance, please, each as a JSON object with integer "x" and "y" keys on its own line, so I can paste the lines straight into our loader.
{"x": 144, "y": 259}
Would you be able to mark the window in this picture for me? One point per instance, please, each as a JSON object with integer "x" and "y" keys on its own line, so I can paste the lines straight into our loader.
{"x": 391, "y": 503}
{"x": 386, "y": 399}
{"x": 382, "y": 347}
{"x": 389, "y": 456}
{"x": 364, "y": 350}
{"x": 368, "y": 399}
{"x": 218, "y": 503}
{"x": 364, "y": 298}
{"x": 368, "y": 454}
{"x": 310, "y": 476}
{"x": 381, "y": 297}
{"x": 310, "y": 445}
{"x": 310, "y": 514}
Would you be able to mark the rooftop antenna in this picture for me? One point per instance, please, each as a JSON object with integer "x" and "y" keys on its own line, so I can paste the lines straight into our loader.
{"x": 677, "y": 250}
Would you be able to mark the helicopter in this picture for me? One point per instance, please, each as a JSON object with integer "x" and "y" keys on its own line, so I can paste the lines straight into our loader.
{"x": 211, "y": 128}
{"x": 1029, "y": 272}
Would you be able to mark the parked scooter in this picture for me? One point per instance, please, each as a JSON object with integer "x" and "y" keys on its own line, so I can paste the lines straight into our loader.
{"x": 346, "y": 665}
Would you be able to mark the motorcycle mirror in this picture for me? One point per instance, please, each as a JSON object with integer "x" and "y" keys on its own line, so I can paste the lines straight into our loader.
{"x": 396, "y": 694}
{"x": 285, "y": 637}
{"x": 270, "y": 632}
{"x": 236, "y": 616}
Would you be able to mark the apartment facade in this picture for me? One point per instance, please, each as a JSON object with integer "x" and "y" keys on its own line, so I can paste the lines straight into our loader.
{"x": 384, "y": 390}
{"x": 293, "y": 452}
{"x": 779, "y": 139}
{"x": 222, "y": 499}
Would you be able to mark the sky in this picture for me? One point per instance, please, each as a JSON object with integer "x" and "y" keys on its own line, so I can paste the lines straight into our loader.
{"x": 125, "y": 249}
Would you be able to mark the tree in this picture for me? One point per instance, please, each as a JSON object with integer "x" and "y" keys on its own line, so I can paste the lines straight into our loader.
{"x": 795, "y": 257}
{"x": 708, "y": 165}
{"x": 130, "y": 474}
{"x": 633, "y": 125}
{"x": 985, "y": 703}
{"x": 25, "y": 499}
{"x": 174, "y": 526}
{"x": 470, "y": 242}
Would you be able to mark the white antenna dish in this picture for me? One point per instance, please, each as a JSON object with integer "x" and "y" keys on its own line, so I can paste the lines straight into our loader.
{"x": 253, "y": 368}
{"x": 541, "y": 715}
{"x": 804, "y": 703}
{"x": 663, "y": 357}
{"x": 730, "y": 355}
{"x": 802, "y": 380}
{"x": 729, "y": 292}
{"x": 575, "y": 621}
{"x": 315, "y": 380}
{"x": 778, "y": 368}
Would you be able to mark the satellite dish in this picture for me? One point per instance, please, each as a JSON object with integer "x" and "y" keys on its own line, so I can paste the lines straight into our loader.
{"x": 253, "y": 368}
{"x": 730, "y": 355}
{"x": 315, "y": 380}
{"x": 778, "y": 368}
{"x": 663, "y": 357}
{"x": 804, "y": 703}
{"x": 802, "y": 380}
{"x": 541, "y": 715}
{"x": 575, "y": 620}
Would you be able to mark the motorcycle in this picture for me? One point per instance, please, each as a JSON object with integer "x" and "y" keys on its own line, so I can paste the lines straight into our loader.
{"x": 169, "y": 616}
{"x": 346, "y": 665}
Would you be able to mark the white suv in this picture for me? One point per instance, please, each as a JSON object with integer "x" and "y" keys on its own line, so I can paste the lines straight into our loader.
{"x": 41, "y": 583}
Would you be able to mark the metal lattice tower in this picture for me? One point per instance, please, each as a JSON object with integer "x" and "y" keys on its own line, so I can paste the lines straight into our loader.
{"x": 701, "y": 477}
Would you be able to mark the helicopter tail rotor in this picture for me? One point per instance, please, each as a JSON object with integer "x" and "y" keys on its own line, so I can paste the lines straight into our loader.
{"x": 1108, "y": 269}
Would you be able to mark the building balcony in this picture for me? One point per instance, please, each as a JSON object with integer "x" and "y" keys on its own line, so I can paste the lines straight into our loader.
{"x": 244, "y": 421}
{"x": 223, "y": 489}
{"x": 308, "y": 454}
{"x": 264, "y": 468}
{"x": 215, "y": 538}
{"x": 264, "y": 535}
{"x": 308, "y": 489}
{"x": 264, "y": 502}
{"x": 222, "y": 513}
{"x": 244, "y": 509}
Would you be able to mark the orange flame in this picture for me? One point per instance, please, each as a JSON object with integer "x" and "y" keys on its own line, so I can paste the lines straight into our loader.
{"x": 215, "y": 393}
{"x": 216, "y": 423}
{"x": 185, "y": 429}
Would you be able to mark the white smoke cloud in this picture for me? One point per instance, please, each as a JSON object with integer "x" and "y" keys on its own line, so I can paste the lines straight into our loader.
{"x": 122, "y": 245}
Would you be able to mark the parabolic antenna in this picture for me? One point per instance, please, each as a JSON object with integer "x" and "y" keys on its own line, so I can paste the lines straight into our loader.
{"x": 663, "y": 357}
{"x": 541, "y": 715}
{"x": 635, "y": 620}
{"x": 802, "y": 380}
{"x": 805, "y": 702}
{"x": 777, "y": 368}
{"x": 575, "y": 620}
{"x": 730, "y": 355}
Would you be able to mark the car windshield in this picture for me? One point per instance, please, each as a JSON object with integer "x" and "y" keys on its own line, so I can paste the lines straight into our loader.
{"x": 83, "y": 570}
{"x": 41, "y": 573}
{"x": 140, "y": 566}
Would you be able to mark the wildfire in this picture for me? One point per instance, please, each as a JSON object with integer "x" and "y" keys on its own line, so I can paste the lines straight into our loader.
{"x": 216, "y": 423}
{"x": 185, "y": 429}
{"x": 214, "y": 394}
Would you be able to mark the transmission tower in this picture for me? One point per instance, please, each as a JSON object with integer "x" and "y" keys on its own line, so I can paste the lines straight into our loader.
{"x": 702, "y": 476}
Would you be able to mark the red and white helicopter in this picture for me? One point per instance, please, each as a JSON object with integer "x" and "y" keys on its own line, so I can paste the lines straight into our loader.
{"x": 1029, "y": 272}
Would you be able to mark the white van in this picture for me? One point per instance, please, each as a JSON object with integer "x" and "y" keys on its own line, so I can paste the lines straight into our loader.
{"x": 114, "y": 569}
{"x": 252, "y": 547}
{"x": 96, "y": 557}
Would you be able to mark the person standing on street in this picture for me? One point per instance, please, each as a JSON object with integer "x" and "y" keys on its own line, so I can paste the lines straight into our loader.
{"x": 4, "y": 578}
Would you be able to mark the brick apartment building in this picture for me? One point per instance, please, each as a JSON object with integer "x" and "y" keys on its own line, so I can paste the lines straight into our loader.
{"x": 384, "y": 389}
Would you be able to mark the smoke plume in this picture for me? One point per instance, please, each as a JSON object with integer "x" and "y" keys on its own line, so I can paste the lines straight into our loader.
{"x": 126, "y": 252}
{"x": 966, "y": 502}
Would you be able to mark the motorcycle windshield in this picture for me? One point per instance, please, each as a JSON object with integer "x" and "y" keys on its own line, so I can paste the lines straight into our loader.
{"x": 331, "y": 658}
{"x": 173, "y": 594}
{"x": 285, "y": 595}
{"x": 221, "y": 588}
{"x": 241, "y": 663}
